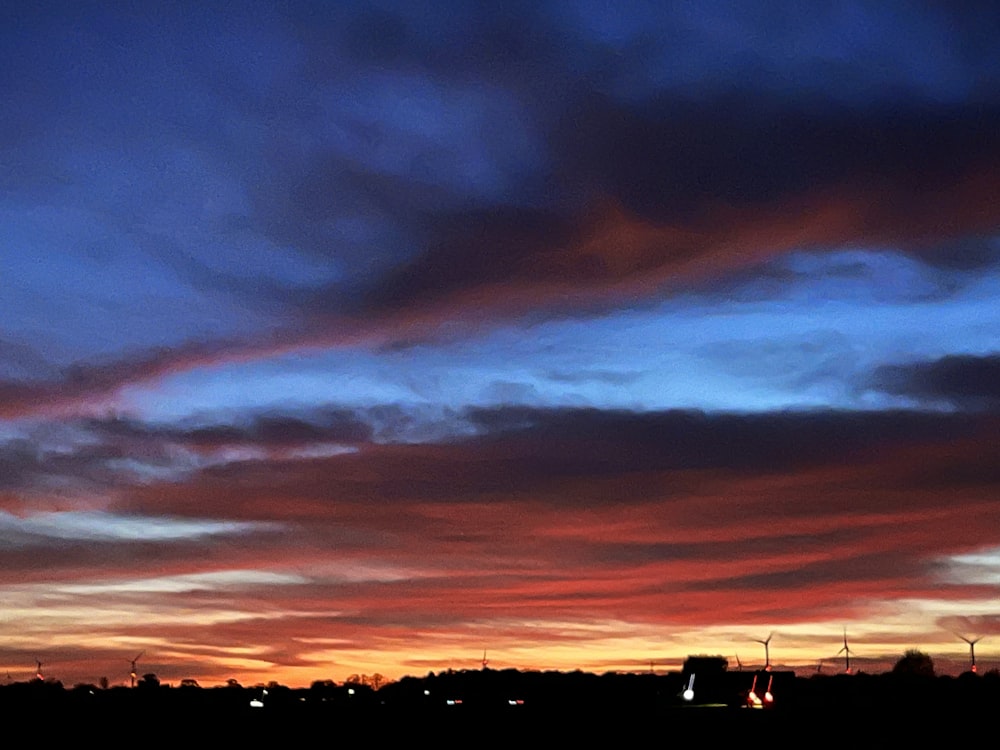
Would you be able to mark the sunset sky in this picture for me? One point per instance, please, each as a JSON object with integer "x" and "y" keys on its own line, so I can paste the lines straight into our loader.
{"x": 345, "y": 338}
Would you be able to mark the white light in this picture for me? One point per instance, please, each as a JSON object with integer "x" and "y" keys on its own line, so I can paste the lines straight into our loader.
{"x": 257, "y": 703}
{"x": 689, "y": 694}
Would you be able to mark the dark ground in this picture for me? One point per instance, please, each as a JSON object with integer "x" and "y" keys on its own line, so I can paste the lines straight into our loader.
{"x": 559, "y": 710}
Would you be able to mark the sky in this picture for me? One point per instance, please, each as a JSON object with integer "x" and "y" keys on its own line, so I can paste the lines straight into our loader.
{"x": 344, "y": 338}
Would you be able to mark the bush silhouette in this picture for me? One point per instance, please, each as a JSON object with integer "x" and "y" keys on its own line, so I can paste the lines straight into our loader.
{"x": 914, "y": 663}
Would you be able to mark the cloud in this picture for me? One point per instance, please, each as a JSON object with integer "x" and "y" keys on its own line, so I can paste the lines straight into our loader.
{"x": 661, "y": 518}
{"x": 88, "y": 460}
{"x": 964, "y": 382}
{"x": 972, "y": 253}
{"x": 92, "y": 382}
{"x": 685, "y": 502}
{"x": 978, "y": 626}
{"x": 104, "y": 527}
{"x": 266, "y": 430}
{"x": 338, "y": 189}
{"x": 768, "y": 442}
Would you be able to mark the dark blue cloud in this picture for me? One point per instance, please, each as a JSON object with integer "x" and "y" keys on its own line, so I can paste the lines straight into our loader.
{"x": 965, "y": 382}
{"x": 237, "y": 157}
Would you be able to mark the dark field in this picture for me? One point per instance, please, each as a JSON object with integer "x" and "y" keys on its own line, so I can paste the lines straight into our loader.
{"x": 558, "y": 710}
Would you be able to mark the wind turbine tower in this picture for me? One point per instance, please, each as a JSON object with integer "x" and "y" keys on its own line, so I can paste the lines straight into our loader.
{"x": 132, "y": 670}
{"x": 972, "y": 649}
{"x": 485, "y": 660}
{"x": 846, "y": 651}
{"x": 38, "y": 671}
{"x": 767, "y": 651}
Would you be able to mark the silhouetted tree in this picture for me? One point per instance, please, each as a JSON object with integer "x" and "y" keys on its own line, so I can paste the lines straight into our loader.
{"x": 914, "y": 663}
{"x": 323, "y": 689}
{"x": 705, "y": 665}
{"x": 148, "y": 680}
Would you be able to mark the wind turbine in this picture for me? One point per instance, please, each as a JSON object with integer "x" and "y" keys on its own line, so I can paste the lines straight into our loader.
{"x": 767, "y": 651}
{"x": 739, "y": 664}
{"x": 846, "y": 651}
{"x": 972, "y": 648}
{"x": 38, "y": 672}
{"x": 485, "y": 660}
{"x": 819, "y": 666}
{"x": 133, "y": 661}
